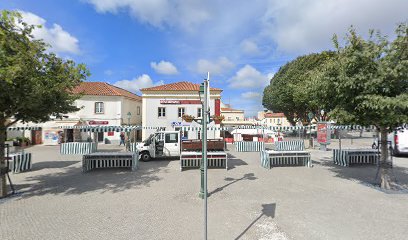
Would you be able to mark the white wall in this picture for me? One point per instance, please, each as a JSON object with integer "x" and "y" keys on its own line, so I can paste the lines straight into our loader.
{"x": 150, "y": 113}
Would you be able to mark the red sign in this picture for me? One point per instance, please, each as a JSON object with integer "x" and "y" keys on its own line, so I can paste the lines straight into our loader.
{"x": 111, "y": 133}
{"x": 323, "y": 133}
{"x": 98, "y": 122}
{"x": 180, "y": 102}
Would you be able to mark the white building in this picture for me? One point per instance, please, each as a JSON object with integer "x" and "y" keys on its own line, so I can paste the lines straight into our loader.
{"x": 271, "y": 119}
{"x": 100, "y": 104}
{"x": 164, "y": 106}
{"x": 235, "y": 117}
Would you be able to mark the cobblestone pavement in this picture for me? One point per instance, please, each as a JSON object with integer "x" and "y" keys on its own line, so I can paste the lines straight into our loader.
{"x": 57, "y": 201}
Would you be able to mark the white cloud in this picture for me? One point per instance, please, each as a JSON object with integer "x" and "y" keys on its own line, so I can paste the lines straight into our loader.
{"x": 134, "y": 85}
{"x": 164, "y": 67}
{"x": 159, "y": 13}
{"x": 220, "y": 66}
{"x": 248, "y": 77}
{"x": 60, "y": 40}
{"x": 297, "y": 26}
{"x": 303, "y": 26}
{"x": 250, "y": 47}
{"x": 251, "y": 95}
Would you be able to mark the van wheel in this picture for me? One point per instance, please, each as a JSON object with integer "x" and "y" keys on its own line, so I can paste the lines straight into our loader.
{"x": 145, "y": 157}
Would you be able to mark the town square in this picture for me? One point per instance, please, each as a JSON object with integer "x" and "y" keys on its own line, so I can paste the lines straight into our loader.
{"x": 203, "y": 120}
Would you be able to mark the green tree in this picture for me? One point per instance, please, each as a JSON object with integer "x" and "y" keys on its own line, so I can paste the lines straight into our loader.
{"x": 293, "y": 89}
{"x": 369, "y": 82}
{"x": 35, "y": 84}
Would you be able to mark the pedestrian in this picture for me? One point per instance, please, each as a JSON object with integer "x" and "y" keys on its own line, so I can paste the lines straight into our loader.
{"x": 122, "y": 139}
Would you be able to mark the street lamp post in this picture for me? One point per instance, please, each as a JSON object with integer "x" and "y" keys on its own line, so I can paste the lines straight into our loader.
{"x": 203, "y": 165}
{"x": 129, "y": 115}
{"x": 310, "y": 115}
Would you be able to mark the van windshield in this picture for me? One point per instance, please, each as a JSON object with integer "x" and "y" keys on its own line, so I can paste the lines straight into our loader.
{"x": 149, "y": 139}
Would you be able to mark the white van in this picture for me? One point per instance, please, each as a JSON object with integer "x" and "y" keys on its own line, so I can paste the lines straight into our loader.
{"x": 398, "y": 141}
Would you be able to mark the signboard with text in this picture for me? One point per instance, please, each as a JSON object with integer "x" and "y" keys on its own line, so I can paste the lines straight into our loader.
{"x": 180, "y": 102}
{"x": 98, "y": 122}
{"x": 323, "y": 133}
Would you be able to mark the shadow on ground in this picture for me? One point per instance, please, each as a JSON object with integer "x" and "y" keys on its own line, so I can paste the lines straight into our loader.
{"x": 248, "y": 176}
{"x": 268, "y": 210}
{"x": 71, "y": 180}
{"x": 51, "y": 164}
{"x": 233, "y": 161}
{"x": 368, "y": 174}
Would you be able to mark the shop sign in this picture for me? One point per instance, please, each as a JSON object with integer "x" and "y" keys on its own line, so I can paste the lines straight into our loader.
{"x": 180, "y": 102}
{"x": 179, "y": 124}
{"x": 323, "y": 133}
{"x": 98, "y": 122}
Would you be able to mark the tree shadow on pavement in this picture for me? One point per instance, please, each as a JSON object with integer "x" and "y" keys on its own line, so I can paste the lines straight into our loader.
{"x": 248, "y": 176}
{"x": 268, "y": 210}
{"x": 233, "y": 161}
{"x": 367, "y": 175}
{"x": 71, "y": 180}
{"x": 51, "y": 164}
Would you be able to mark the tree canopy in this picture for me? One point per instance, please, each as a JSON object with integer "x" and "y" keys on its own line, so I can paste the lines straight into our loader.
{"x": 370, "y": 80}
{"x": 293, "y": 88}
{"x": 31, "y": 78}
{"x": 35, "y": 83}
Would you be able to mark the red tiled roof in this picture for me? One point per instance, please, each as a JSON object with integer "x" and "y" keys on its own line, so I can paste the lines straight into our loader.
{"x": 231, "y": 109}
{"x": 270, "y": 115}
{"x": 178, "y": 86}
{"x": 103, "y": 89}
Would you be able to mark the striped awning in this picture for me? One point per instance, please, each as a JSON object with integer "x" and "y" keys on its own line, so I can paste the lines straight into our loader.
{"x": 23, "y": 128}
{"x": 108, "y": 128}
{"x": 280, "y": 128}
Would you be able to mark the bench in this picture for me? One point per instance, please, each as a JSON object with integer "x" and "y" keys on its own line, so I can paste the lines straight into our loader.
{"x": 293, "y": 145}
{"x": 190, "y": 159}
{"x": 348, "y": 157}
{"x": 78, "y": 148}
{"x": 110, "y": 160}
{"x": 20, "y": 162}
{"x": 271, "y": 158}
{"x": 243, "y": 146}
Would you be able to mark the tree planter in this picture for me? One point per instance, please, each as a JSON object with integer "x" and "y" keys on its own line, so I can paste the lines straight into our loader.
{"x": 218, "y": 119}
{"x": 188, "y": 118}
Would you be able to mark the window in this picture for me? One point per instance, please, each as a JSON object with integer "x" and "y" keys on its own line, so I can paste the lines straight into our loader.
{"x": 199, "y": 112}
{"x": 161, "y": 112}
{"x": 181, "y": 112}
{"x": 171, "y": 138}
{"x": 99, "y": 107}
{"x": 237, "y": 118}
{"x": 229, "y": 119}
{"x": 138, "y": 110}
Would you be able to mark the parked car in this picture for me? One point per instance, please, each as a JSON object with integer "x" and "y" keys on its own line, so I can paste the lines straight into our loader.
{"x": 398, "y": 141}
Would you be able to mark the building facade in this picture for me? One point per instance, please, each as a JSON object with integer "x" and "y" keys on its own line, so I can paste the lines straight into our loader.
{"x": 234, "y": 117}
{"x": 269, "y": 119}
{"x": 101, "y": 104}
{"x": 165, "y": 105}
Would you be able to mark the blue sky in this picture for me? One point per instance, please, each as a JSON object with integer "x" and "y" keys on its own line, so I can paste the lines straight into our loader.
{"x": 141, "y": 43}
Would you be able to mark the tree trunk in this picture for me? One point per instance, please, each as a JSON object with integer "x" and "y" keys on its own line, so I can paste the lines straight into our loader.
{"x": 385, "y": 179}
{"x": 3, "y": 183}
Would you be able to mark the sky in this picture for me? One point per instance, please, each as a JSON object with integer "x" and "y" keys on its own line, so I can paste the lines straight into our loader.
{"x": 135, "y": 44}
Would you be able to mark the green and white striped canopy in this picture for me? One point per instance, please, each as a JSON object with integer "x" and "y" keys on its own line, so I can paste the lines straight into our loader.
{"x": 23, "y": 128}
{"x": 279, "y": 128}
{"x": 87, "y": 128}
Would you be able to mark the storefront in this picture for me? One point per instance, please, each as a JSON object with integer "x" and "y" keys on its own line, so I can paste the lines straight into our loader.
{"x": 165, "y": 105}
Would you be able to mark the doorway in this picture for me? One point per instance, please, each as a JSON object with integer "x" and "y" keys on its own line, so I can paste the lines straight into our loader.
{"x": 100, "y": 136}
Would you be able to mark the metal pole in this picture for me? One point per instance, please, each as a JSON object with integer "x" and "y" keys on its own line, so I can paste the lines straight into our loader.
{"x": 205, "y": 153}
